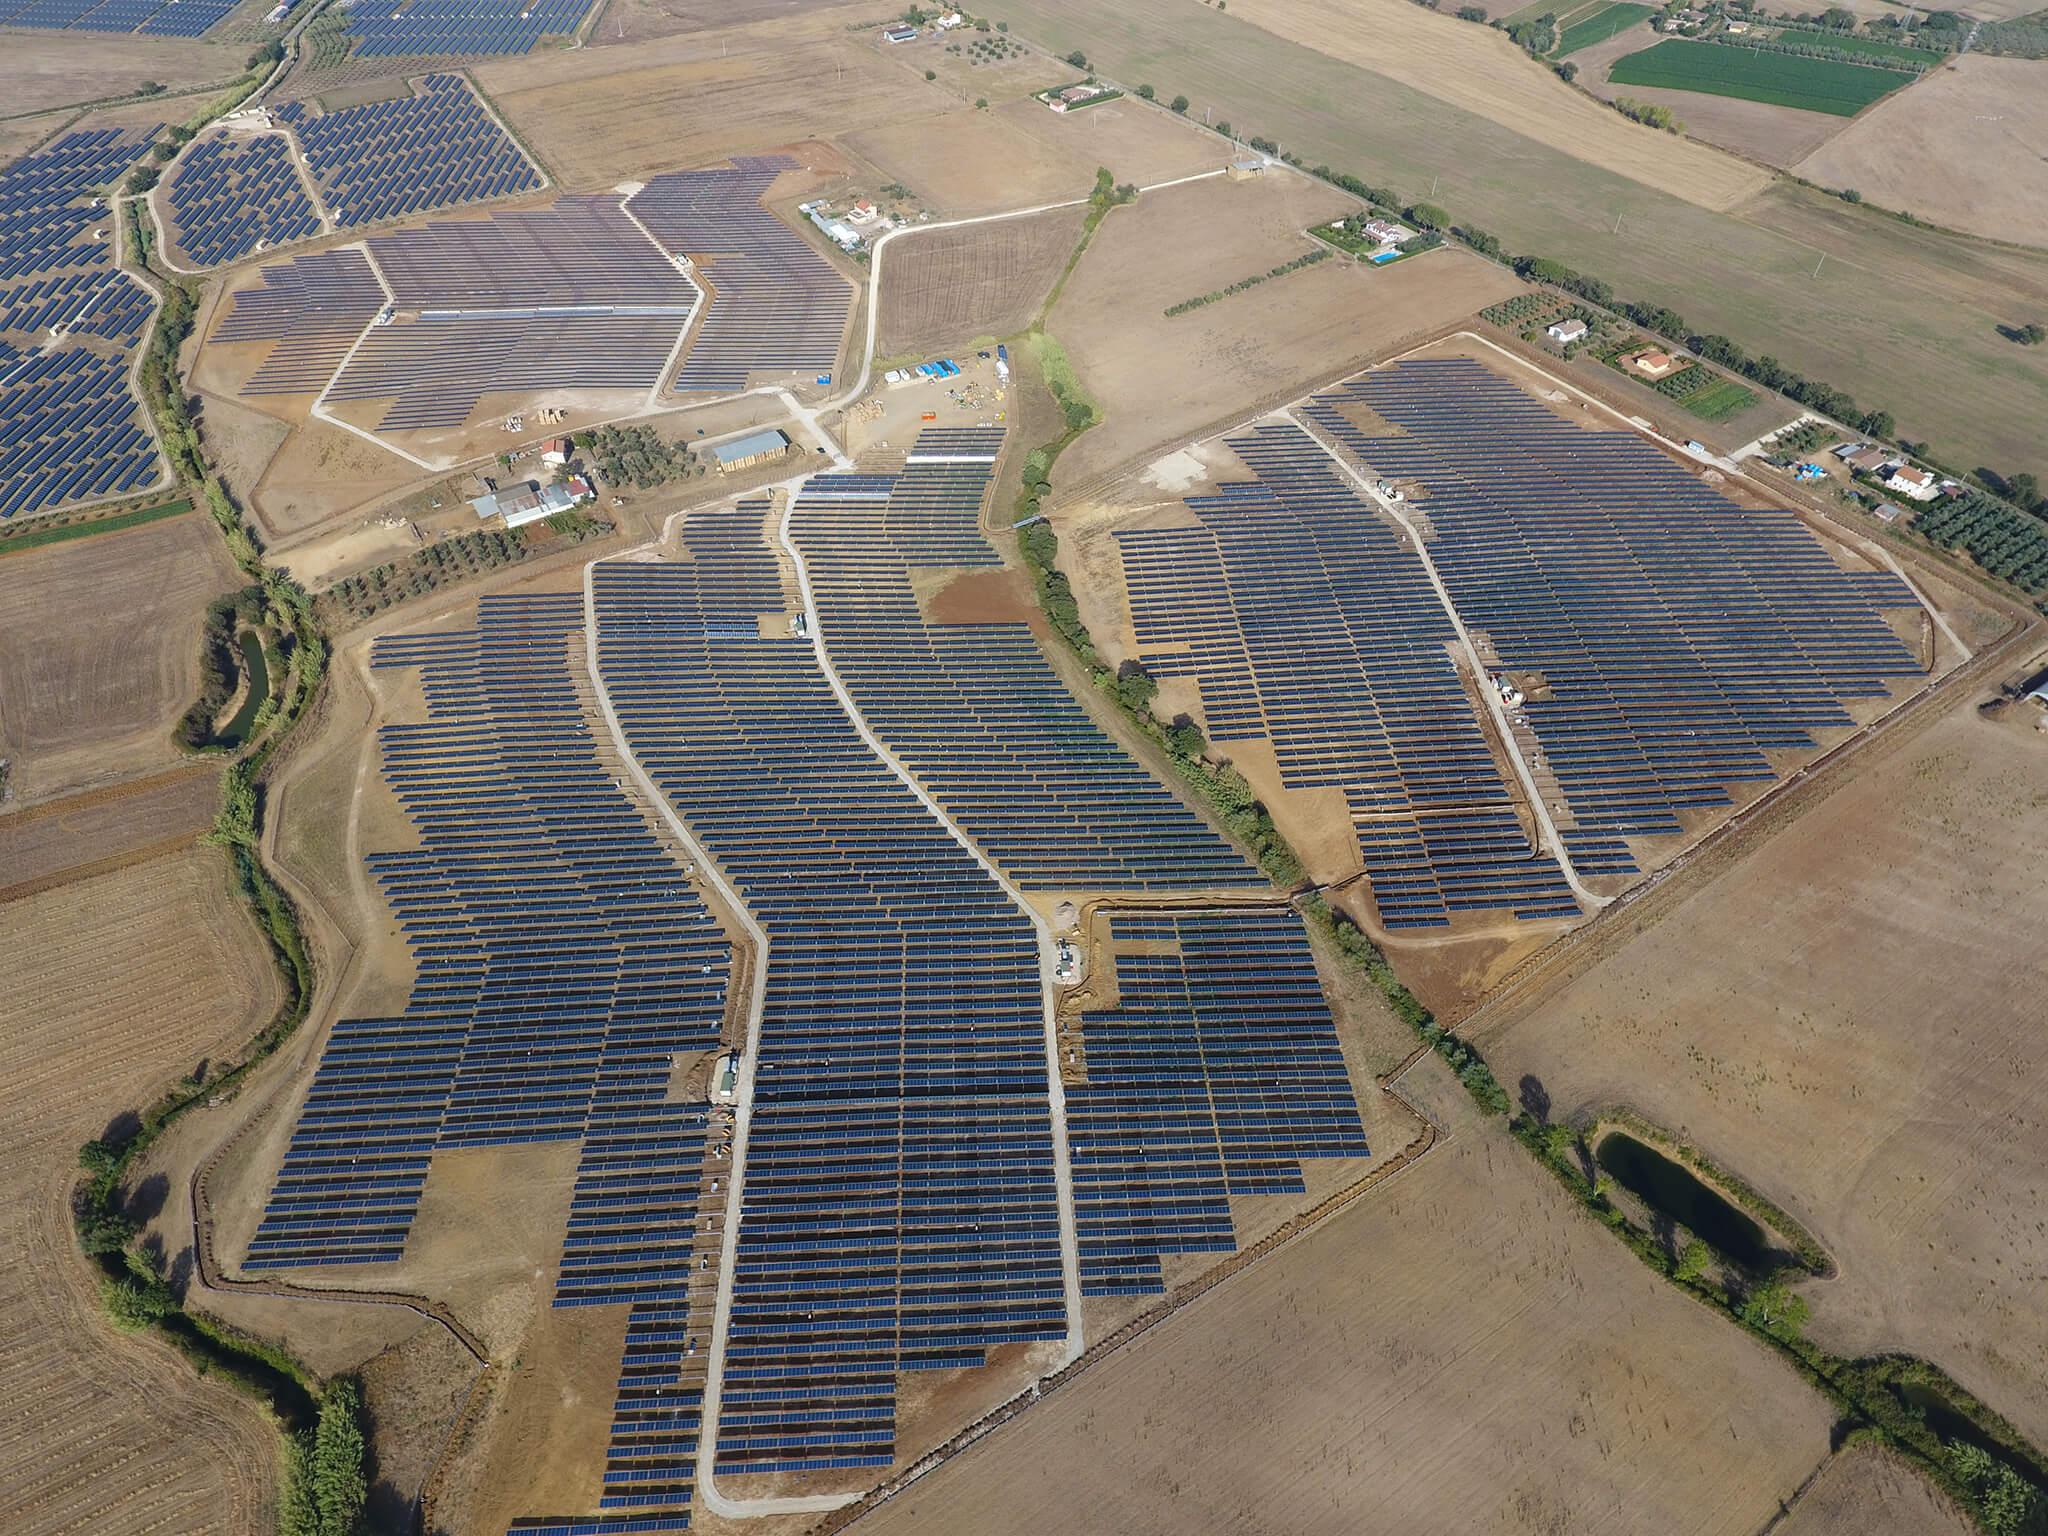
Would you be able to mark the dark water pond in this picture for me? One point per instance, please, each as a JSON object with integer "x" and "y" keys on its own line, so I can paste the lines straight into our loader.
{"x": 236, "y": 731}
{"x": 1671, "y": 1188}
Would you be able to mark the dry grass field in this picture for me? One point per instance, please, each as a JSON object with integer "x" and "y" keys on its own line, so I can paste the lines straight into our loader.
{"x": 56, "y": 69}
{"x": 1866, "y": 1492}
{"x": 985, "y": 280}
{"x": 698, "y": 98}
{"x": 1850, "y": 1019}
{"x": 1478, "y": 70}
{"x": 1899, "y": 317}
{"x": 1161, "y": 381}
{"x": 641, "y": 21}
{"x": 1967, "y": 147}
{"x": 967, "y": 163}
{"x": 133, "y": 978}
{"x": 320, "y": 472}
{"x": 1462, "y": 1350}
{"x": 99, "y": 651}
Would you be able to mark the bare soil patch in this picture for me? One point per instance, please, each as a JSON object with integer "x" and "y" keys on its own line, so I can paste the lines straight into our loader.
{"x": 322, "y": 472}
{"x": 951, "y": 285}
{"x": 1160, "y": 381}
{"x": 1138, "y": 143}
{"x": 1967, "y": 147}
{"x": 1461, "y": 1350}
{"x": 640, "y": 21}
{"x": 99, "y": 651}
{"x": 1479, "y": 71}
{"x": 1841, "y": 1020}
{"x": 56, "y": 69}
{"x": 61, "y": 839}
{"x": 1865, "y": 1491}
{"x": 967, "y": 163}
{"x": 132, "y": 979}
{"x": 699, "y": 98}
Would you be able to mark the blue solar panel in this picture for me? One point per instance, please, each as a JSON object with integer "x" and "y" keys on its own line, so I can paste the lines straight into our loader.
{"x": 71, "y": 429}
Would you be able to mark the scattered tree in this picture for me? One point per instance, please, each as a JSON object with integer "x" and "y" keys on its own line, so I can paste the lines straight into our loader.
{"x": 1776, "y": 1309}
{"x": 1179, "y": 104}
{"x": 1693, "y": 1260}
{"x": 931, "y": 74}
{"x": 1472, "y": 13}
{"x": 1145, "y": 93}
{"x": 1078, "y": 59}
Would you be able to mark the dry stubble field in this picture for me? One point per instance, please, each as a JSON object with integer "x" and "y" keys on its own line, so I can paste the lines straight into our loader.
{"x": 1966, "y": 147}
{"x": 55, "y": 69}
{"x": 133, "y": 978}
{"x": 1461, "y": 1350}
{"x": 1160, "y": 381}
{"x": 985, "y": 280}
{"x": 1866, "y": 1492}
{"x": 99, "y": 651}
{"x": 698, "y": 98}
{"x": 1850, "y": 1019}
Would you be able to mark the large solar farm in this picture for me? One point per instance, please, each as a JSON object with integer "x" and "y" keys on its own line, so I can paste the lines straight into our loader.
{"x": 865, "y": 939}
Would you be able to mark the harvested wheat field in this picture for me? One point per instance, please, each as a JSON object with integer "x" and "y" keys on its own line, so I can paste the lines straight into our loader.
{"x": 967, "y": 163}
{"x": 1850, "y": 1019}
{"x": 984, "y": 280}
{"x": 598, "y": 117}
{"x": 99, "y": 651}
{"x": 639, "y": 21}
{"x": 1478, "y": 70}
{"x": 134, "y": 978}
{"x": 55, "y": 69}
{"x": 1966, "y": 147}
{"x": 1865, "y": 1491}
{"x": 1461, "y": 1350}
{"x": 1160, "y": 381}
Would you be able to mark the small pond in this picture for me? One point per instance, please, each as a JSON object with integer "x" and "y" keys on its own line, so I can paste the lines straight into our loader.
{"x": 1671, "y": 1187}
{"x": 236, "y": 731}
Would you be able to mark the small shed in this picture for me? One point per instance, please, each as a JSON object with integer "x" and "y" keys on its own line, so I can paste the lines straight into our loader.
{"x": 754, "y": 448}
{"x": 1565, "y": 332}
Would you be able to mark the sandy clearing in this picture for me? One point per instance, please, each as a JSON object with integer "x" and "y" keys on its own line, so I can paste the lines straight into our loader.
{"x": 1461, "y": 1351}
{"x": 1843, "y": 1019}
{"x": 1967, "y": 147}
{"x": 1480, "y": 71}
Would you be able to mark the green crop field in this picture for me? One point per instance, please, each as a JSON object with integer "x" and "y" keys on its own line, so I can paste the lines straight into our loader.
{"x": 1601, "y": 25}
{"x": 1875, "y": 47}
{"x": 1719, "y": 400}
{"x": 1778, "y": 79}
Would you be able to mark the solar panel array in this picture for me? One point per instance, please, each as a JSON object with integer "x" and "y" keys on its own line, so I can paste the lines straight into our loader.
{"x": 899, "y": 1208}
{"x": 571, "y": 296}
{"x": 71, "y": 429}
{"x": 387, "y": 159}
{"x": 311, "y": 308}
{"x": 1308, "y": 624}
{"x": 777, "y": 305}
{"x": 459, "y": 28}
{"x": 1215, "y": 1074}
{"x": 562, "y": 962}
{"x": 1684, "y": 637}
{"x": 974, "y": 709}
{"x": 230, "y": 196}
{"x": 157, "y": 18}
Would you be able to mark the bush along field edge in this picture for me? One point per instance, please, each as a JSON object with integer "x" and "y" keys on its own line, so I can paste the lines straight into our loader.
{"x": 1967, "y": 1450}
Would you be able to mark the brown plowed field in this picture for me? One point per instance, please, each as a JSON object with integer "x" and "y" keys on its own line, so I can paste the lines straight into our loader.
{"x": 984, "y": 280}
{"x": 1463, "y": 1350}
{"x": 1850, "y": 1018}
{"x": 99, "y": 651}
{"x": 131, "y": 979}
{"x": 60, "y": 839}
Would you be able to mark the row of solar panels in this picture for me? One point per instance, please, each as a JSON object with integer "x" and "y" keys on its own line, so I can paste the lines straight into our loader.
{"x": 155, "y": 18}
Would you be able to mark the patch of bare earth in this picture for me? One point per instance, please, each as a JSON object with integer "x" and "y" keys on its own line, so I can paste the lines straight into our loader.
{"x": 983, "y": 280}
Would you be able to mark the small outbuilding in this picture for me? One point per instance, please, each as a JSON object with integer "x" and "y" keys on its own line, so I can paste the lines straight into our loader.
{"x": 754, "y": 448}
{"x": 1565, "y": 332}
